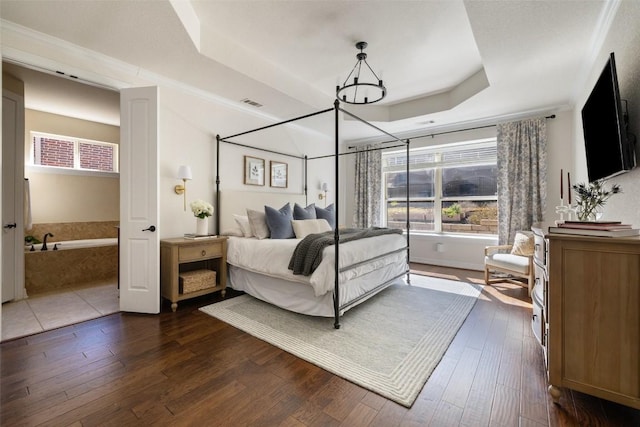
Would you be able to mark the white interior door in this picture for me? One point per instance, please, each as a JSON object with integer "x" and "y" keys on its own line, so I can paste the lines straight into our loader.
{"x": 139, "y": 208}
{"x": 12, "y": 196}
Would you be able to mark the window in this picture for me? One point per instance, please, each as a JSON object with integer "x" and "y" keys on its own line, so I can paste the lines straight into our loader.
{"x": 452, "y": 188}
{"x": 73, "y": 153}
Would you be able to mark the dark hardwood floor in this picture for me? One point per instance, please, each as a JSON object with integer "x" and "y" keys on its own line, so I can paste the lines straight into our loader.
{"x": 187, "y": 368}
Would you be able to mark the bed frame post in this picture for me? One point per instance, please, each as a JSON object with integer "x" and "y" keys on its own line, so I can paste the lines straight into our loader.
{"x": 408, "y": 220}
{"x": 218, "y": 184}
{"x": 336, "y": 232}
{"x": 306, "y": 194}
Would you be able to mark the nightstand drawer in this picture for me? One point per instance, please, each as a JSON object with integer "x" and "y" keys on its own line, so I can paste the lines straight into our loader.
{"x": 196, "y": 252}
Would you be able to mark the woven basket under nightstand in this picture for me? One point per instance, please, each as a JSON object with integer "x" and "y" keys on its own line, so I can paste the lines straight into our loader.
{"x": 191, "y": 281}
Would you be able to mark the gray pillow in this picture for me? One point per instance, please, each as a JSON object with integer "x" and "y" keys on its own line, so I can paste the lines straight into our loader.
{"x": 279, "y": 222}
{"x": 327, "y": 213}
{"x": 304, "y": 213}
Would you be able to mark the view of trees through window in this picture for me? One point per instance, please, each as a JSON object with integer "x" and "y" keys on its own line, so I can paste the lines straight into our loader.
{"x": 451, "y": 189}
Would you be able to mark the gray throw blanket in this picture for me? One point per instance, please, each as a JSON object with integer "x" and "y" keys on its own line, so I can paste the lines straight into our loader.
{"x": 308, "y": 253}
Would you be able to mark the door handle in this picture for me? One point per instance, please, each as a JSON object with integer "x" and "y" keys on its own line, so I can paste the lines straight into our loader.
{"x": 13, "y": 225}
{"x": 151, "y": 228}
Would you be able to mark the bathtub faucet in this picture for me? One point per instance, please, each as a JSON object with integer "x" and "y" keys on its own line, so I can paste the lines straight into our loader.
{"x": 44, "y": 241}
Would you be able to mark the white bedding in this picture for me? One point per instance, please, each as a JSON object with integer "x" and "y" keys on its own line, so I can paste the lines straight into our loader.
{"x": 271, "y": 257}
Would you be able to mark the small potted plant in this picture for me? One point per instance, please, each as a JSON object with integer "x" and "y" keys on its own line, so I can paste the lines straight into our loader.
{"x": 453, "y": 213}
{"x": 591, "y": 197}
{"x": 201, "y": 210}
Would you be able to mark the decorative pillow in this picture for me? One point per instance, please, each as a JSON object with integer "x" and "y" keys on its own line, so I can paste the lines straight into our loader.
{"x": 302, "y": 228}
{"x": 243, "y": 223}
{"x": 327, "y": 213}
{"x": 279, "y": 222}
{"x": 258, "y": 224}
{"x": 523, "y": 244}
{"x": 304, "y": 213}
{"x": 235, "y": 231}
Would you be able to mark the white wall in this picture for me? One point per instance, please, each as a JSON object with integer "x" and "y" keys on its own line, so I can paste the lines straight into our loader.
{"x": 560, "y": 155}
{"x": 188, "y": 128}
{"x": 71, "y": 196}
{"x": 624, "y": 40}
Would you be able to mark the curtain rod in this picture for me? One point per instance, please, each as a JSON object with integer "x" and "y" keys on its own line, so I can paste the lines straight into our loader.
{"x": 552, "y": 116}
{"x": 348, "y": 153}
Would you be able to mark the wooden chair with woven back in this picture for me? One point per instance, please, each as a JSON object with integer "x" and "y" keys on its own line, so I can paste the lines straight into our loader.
{"x": 509, "y": 262}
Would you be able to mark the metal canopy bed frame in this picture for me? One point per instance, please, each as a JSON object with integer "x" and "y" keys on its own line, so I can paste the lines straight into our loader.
{"x": 338, "y": 306}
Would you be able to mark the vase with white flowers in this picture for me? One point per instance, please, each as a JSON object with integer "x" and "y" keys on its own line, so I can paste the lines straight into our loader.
{"x": 591, "y": 197}
{"x": 202, "y": 211}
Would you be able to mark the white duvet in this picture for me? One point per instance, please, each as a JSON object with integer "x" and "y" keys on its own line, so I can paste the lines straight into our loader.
{"x": 271, "y": 257}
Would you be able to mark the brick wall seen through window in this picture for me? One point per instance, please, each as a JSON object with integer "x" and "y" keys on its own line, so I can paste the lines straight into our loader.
{"x": 74, "y": 153}
{"x": 56, "y": 152}
{"x": 96, "y": 157}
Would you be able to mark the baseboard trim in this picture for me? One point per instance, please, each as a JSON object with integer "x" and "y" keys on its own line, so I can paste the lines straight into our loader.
{"x": 452, "y": 264}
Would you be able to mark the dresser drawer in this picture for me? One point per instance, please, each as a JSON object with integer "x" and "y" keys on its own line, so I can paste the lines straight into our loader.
{"x": 537, "y": 319}
{"x": 196, "y": 252}
{"x": 540, "y": 249}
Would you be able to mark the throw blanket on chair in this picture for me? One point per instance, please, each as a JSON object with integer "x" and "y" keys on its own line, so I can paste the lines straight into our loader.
{"x": 308, "y": 253}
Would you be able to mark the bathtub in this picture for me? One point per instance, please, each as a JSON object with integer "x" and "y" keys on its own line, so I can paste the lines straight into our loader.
{"x": 76, "y": 244}
{"x": 75, "y": 263}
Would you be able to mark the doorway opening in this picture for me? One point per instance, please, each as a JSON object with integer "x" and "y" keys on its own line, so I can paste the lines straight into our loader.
{"x": 63, "y": 206}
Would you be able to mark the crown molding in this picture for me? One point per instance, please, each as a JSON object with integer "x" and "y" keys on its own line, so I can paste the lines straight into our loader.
{"x": 598, "y": 37}
{"x": 128, "y": 75}
{"x": 467, "y": 125}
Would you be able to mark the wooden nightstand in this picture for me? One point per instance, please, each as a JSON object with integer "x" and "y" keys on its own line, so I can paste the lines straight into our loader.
{"x": 178, "y": 255}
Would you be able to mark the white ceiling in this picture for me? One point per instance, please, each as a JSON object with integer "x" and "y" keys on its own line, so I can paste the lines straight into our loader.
{"x": 448, "y": 62}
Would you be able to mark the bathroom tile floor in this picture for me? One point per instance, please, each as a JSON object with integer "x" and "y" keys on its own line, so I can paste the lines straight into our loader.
{"x": 47, "y": 311}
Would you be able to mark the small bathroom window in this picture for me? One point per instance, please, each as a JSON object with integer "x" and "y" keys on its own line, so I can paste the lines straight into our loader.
{"x": 73, "y": 153}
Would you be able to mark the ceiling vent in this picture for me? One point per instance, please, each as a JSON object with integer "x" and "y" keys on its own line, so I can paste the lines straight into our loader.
{"x": 252, "y": 103}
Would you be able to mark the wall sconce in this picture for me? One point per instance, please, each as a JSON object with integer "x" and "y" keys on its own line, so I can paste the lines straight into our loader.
{"x": 324, "y": 187}
{"x": 184, "y": 173}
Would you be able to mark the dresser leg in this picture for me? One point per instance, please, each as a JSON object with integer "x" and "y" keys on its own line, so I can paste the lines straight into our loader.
{"x": 555, "y": 394}
{"x": 223, "y": 292}
{"x": 174, "y": 305}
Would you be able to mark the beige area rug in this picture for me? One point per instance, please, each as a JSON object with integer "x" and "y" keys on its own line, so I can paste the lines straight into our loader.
{"x": 389, "y": 344}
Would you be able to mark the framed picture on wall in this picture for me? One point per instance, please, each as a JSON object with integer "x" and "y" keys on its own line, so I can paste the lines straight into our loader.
{"x": 279, "y": 174}
{"x": 253, "y": 171}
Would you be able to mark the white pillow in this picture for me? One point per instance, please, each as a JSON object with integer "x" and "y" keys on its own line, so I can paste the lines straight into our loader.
{"x": 304, "y": 227}
{"x": 523, "y": 243}
{"x": 258, "y": 224}
{"x": 243, "y": 223}
{"x": 235, "y": 231}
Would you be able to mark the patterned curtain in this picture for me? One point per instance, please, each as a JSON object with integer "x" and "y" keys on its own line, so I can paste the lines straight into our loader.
{"x": 368, "y": 187}
{"x": 522, "y": 176}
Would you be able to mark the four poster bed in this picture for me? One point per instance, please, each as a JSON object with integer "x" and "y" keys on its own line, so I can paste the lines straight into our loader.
{"x": 340, "y": 267}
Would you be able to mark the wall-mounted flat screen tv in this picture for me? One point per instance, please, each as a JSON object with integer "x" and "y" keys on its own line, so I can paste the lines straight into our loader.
{"x": 609, "y": 149}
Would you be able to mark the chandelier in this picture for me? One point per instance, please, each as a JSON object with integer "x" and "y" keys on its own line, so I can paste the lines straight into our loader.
{"x": 364, "y": 89}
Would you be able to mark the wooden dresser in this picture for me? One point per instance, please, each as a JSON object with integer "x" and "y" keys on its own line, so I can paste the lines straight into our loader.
{"x": 178, "y": 255}
{"x": 592, "y": 312}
